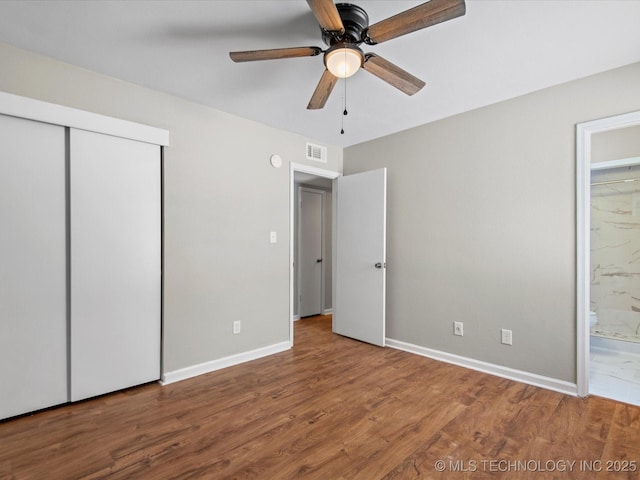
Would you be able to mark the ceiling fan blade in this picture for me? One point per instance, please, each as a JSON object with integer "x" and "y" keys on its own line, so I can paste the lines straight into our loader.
{"x": 327, "y": 15}
{"x": 323, "y": 90}
{"x": 392, "y": 74}
{"x": 274, "y": 53}
{"x": 417, "y": 18}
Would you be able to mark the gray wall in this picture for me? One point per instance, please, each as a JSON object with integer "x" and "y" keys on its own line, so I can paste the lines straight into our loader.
{"x": 481, "y": 216}
{"x": 222, "y": 198}
{"x": 615, "y": 144}
{"x": 481, "y": 224}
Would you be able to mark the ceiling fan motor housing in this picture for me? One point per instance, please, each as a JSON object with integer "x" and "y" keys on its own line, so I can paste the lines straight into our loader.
{"x": 355, "y": 21}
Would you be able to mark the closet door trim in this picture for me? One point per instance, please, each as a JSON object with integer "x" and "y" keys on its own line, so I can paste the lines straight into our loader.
{"x": 28, "y": 108}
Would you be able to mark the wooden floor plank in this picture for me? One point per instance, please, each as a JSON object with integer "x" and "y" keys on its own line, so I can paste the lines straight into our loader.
{"x": 331, "y": 408}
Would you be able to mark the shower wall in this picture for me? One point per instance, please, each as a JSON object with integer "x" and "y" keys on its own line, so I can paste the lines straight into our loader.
{"x": 615, "y": 253}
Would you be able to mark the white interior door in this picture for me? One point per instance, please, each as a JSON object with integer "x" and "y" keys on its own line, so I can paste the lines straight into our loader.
{"x": 115, "y": 263}
{"x": 33, "y": 299}
{"x": 359, "y": 302}
{"x": 310, "y": 252}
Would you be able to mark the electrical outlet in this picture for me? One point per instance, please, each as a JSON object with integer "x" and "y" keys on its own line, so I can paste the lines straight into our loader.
{"x": 236, "y": 327}
{"x": 507, "y": 337}
{"x": 458, "y": 328}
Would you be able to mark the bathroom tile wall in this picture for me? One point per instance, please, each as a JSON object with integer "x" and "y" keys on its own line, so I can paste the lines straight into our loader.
{"x": 615, "y": 253}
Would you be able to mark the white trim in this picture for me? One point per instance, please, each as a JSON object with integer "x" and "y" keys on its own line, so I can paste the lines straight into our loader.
{"x": 213, "y": 365}
{"x": 623, "y": 162}
{"x": 326, "y": 311}
{"x": 583, "y": 226}
{"x": 584, "y": 131}
{"x": 490, "y": 368}
{"x": 320, "y": 172}
{"x": 24, "y": 107}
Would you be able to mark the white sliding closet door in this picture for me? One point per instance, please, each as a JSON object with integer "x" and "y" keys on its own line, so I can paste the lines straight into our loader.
{"x": 33, "y": 309}
{"x": 115, "y": 263}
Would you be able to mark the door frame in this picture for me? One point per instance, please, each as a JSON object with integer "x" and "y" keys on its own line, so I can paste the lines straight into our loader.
{"x": 584, "y": 132}
{"x": 320, "y": 172}
{"x": 323, "y": 245}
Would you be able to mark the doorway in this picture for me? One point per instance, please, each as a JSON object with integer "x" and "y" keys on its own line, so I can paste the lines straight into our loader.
{"x": 316, "y": 183}
{"x": 587, "y": 162}
{"x": 313, "y": 247}
{"x": 358, "y": 238}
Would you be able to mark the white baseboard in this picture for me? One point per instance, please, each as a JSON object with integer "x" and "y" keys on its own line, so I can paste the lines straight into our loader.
{"x": 213, "y": 365}
{"x": 326, "y": 311}
{"x": 490, "y": 368}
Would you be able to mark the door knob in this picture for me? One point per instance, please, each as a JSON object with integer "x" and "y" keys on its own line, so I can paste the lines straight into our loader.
{"x": 379, "y": 265}
{"x": 319, "y": 260}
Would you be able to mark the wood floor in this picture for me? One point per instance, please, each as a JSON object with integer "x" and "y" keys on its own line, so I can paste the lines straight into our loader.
{"x": 332, "y": 409}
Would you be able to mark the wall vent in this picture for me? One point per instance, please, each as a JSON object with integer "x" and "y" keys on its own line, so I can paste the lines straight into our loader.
{"x": 316, "y": 152}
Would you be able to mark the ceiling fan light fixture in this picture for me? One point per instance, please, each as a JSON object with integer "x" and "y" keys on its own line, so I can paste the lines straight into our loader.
{"x": 343, "y": 60}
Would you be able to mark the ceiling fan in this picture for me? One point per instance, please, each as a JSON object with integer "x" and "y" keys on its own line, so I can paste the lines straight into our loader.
{"x": 344, "y": 28}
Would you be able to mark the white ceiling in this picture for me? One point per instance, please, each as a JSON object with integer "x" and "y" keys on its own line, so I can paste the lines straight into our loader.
{"x": 500, "y": 49}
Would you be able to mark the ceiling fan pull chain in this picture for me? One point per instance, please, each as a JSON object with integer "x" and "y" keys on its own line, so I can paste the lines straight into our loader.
{"x": 345, "y": 87}
{"x": 344, "y": 112}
